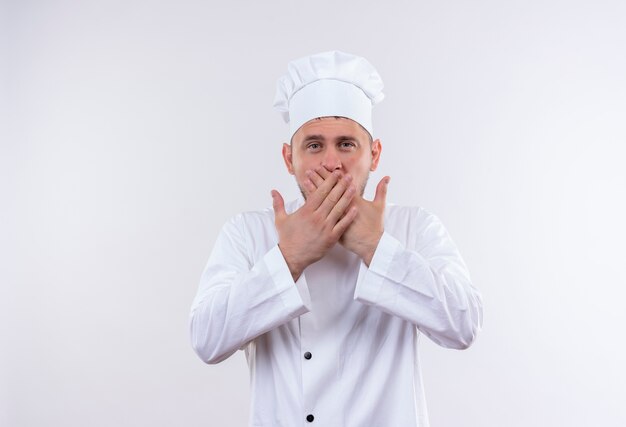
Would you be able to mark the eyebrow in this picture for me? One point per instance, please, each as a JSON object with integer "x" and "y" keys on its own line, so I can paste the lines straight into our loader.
{"x": 321, "y": 138}
{"x": 313, "y": 138}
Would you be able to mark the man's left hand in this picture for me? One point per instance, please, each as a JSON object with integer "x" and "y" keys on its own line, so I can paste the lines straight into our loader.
{"x": 364, "y": 233}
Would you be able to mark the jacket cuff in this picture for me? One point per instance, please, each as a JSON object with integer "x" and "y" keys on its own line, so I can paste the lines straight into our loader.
{"x": 294, "y": 294}
{"x": 369, "y": 288}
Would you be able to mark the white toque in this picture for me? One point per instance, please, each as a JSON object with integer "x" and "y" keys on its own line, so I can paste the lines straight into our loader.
{"x": 330, "y": 83}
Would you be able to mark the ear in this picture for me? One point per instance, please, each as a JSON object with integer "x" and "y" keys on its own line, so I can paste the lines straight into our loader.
{"x": 376, "y": 149}
{"x": 288, "y": 158}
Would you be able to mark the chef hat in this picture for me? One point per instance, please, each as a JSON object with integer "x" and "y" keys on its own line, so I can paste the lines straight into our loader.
{"x": 330, "y": 83}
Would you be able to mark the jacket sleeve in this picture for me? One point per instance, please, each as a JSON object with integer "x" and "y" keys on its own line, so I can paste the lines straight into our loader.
{"x": 428, "y": 285}
{"x": 239, "y": 299}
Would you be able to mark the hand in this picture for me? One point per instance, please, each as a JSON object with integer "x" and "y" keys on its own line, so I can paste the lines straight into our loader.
{"x": 364, "y": 233}
{"x": 307, "y": 234}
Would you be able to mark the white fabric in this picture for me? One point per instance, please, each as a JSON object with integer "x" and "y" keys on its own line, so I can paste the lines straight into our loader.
{"x": 330, "y": 83}
{"x": 361, "y": 324}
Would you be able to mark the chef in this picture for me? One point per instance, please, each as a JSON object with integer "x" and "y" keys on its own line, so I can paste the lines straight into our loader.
{"x": 328, "y": 295}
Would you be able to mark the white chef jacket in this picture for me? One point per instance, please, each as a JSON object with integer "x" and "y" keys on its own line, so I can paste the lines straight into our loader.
{"x": 338, "y": 346}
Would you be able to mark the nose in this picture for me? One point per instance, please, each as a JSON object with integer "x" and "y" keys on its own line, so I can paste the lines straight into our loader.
{"x": 331, "y": 160}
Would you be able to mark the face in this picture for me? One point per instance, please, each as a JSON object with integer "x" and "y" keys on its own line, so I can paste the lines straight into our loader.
{"x": 336, "y": 143}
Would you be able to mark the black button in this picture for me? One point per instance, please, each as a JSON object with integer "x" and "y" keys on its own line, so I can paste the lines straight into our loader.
{"x": 310, "y": 418}
{"x": 308, "y": 355}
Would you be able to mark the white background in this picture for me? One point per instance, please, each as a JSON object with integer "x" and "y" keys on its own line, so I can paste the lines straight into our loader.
{"x": 131, "y": 130}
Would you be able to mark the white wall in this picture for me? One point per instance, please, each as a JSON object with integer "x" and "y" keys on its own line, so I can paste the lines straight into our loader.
{"x": 136, "y": 128}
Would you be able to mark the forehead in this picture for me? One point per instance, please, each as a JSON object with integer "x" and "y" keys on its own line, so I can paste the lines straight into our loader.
{"x": 330, "y": 127}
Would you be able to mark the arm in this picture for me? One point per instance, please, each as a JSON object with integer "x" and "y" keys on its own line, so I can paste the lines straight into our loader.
{"x": 238, "y": 300}
{"x": 428, "y": 286}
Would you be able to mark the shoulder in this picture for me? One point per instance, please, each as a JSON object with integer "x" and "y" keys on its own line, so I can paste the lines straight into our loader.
{"x": 250, "y": 221}
{"x": 261, "y": 217}
{"x": 412, "y": 225}
{"x": 254, "y": 232}
{"x": 409, "y": 213}
{"x": 249, "y": 234}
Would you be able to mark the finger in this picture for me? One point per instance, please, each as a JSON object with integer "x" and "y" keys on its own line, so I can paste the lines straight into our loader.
{"x": 381, "y": 190}
{"x": 322, "y": 171}
{"x": 342, "y": 205}
{"x": 308, "y": 187}
{"x": 315, "y": 177}
{"x": 279, "y": 205}
{"x": 318, "y": 197}
{"x": 345, "y": 222}
{"x": 334, "y": 196}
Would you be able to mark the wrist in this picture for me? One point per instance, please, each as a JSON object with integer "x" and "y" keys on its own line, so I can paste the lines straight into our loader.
{"x": 295, "y": 267}
{"x": 370, "y": 248}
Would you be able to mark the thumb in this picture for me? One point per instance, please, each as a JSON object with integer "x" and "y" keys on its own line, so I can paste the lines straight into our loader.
{"x": 278, "y": 204}
{"x": 381, "y": 190}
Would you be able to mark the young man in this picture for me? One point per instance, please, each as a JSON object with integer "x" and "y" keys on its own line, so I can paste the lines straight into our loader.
{"x": 329, "y": 294}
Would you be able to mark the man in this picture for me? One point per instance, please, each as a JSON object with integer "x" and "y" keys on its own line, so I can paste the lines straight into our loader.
{"x": 329, "y": 294}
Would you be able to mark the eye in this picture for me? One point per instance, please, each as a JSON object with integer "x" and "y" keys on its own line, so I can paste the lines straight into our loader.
{"x": 313, "y": 146}
{"x": 347, "y": 144}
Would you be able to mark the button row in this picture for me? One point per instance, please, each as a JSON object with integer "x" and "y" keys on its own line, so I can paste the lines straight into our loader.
{"x": 308, "y": 356}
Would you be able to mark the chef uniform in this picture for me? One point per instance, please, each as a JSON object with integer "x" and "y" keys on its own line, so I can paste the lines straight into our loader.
{"x": 337, "y": 347}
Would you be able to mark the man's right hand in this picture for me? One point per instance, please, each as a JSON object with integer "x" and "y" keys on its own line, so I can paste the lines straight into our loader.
{"x": 307, "y": 234}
